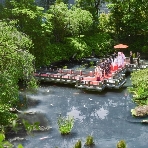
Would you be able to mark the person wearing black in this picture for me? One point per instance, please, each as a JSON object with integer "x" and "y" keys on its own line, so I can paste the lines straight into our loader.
{"x": 102, "y": 65}
{"x": 138, "y": 59}
{"x": 106, "y": 67}
{"x": 110, "y": 63}
{"x": 114, "y": 56}
{"x": 131, "y": 58}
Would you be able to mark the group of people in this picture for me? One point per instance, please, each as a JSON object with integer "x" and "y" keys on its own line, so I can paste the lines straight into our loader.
{"x": 107, "y": 65}
{"x": 115, "y": 61}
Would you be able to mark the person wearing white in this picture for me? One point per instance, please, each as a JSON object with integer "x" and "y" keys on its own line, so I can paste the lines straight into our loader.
{"x": 119, "y": 59}
{"x": 98, "y": 72}
{"x": 123, "y": 58}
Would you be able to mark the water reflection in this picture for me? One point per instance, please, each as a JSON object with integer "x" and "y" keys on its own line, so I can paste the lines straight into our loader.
{"x": 101, "y": 113}
{"x": 75, "y": 113}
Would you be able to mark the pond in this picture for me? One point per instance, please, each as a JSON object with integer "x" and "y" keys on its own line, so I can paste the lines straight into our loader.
{"x": 105, "y": 116}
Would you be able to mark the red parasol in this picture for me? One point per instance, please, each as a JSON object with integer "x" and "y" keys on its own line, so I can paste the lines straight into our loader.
{"x": 119, "y": 46}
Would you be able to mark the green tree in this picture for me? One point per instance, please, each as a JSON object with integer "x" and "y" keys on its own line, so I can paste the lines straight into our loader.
{"x": 16, "y": 63}
{"x": 69, "y": 21}
{"x": 32, "y": 21}
{"x": 80, "y": 21}
{"x": 93, "y": 6}
{"x": 129, "y": 19}
{"x": 59, "y": 20}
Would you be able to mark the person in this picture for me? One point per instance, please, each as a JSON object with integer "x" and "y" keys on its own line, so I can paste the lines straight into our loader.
{"x": 115, "y": 63}
{"x": 123, "y": 58}
{"x": 102, "y": 66}
{"x": 110, "y": 60}
{"x": 138, "y": 59}
{"x": 119, "y": 59}
{"x": 114, "y": 55}
{"x": 98, "y": 73}
{"x": 131, "y": 58}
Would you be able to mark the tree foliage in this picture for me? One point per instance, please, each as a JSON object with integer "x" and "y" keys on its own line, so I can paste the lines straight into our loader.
{"x": 15, "y": 63}
{"x": 129, "y": 21}
{"x": 32, "y": 21}
{"x": 69, "y": 22}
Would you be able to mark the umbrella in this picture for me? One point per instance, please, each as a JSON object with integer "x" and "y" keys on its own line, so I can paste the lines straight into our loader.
{"x": 119, "y": 46}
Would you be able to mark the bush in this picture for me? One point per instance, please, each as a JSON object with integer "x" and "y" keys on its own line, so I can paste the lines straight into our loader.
{"x": 140, "y": 87}
{"x": 89, "y": 141}
{"x": 65, "y": 124}
{"x": 78, "y": 144}
{"x": 121, "y": 144}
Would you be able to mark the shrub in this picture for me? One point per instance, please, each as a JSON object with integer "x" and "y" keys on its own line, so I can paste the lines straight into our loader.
{"x": 121, "y": 144}
{"x": 65, "y": 124}
{"x": 140, "y": 87}
{"x": 89, "y": 141}
{"x": 78, "y": 144}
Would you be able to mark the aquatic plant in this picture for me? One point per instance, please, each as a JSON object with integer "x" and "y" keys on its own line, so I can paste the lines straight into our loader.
{"x": 78, "y": 144}
{"x": 30, "y": 127}
{"x": 121, "y": 144}
{"x": 89, "y": 141}
{"x": 3, "y": 142}
{"x": 6, "y": 144}
{"x": 65, "y": 124}
{"x": 20, "y": 146}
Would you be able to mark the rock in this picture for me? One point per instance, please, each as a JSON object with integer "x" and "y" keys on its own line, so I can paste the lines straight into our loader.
{"x": 140, "y": 111}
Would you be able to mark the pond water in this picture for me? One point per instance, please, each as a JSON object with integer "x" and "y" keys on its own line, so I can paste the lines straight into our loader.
{"x": 105, "y": 116}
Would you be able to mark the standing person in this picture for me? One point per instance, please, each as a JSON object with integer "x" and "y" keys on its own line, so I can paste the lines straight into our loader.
{"x": 98, "y": 73}
{"x": 119, "y": 60}
{"x": 123, "y": 58}
{"x": 115, "y": 63}
{"x": 106, "y": 67}
{"x": 110, "y": 63}
{"x": 138, "y": 59}
{"x": 114, "y": 55}
{"x": 103, "y": 68}
{"x": 131, "y": 58}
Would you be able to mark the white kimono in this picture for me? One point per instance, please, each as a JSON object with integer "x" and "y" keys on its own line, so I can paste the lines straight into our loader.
{"x": 119, "y": 60}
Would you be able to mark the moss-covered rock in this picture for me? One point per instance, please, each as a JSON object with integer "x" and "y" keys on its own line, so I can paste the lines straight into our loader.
{"x": 140, "y": 111}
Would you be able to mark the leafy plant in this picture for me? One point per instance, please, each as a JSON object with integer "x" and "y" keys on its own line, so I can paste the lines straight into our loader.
{"x": 65, "y": 67}
{"x": 140, "y": 87}
{"x": 121, "y": 144}
{"x": 78, "y": 144}
{"x": 91, "y": 63}
{"x": 6, "y": 144}
{"x": 30, "y": 127}
{"x": 20, "y": 146}
{"x": 3, "y": 142}
{"x": 16, "y": 63}
{"x": 89, "y": 141}
{"x": 65, "y": 124}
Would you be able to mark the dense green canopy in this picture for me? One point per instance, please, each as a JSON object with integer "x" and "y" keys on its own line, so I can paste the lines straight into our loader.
{"x": 16, "y": 63}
